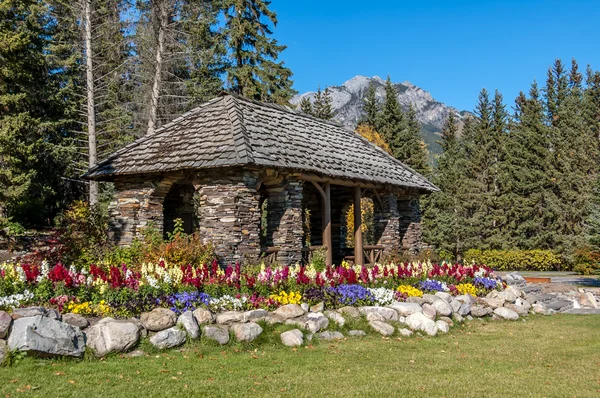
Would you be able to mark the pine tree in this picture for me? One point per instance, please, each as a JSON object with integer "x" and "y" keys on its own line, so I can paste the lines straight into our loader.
{"x": 321, "y": 106}
{"x": 414, "y": 151}
{"x": 254, "y": 71}
{"x": 370, "y": 108}
{"x": 306, "y": 106}
{"x": 391, "y": 123}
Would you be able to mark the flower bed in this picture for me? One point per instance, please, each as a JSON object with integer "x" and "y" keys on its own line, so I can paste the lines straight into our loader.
{"x": 124, "y": 292}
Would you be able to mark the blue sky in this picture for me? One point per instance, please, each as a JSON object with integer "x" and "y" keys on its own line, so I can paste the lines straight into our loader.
{"x": 450, "y": 48}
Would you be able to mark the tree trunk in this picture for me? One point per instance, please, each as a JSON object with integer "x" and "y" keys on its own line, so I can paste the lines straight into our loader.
{"x": 91, "y": 113}
{"x": 163, "y": 16}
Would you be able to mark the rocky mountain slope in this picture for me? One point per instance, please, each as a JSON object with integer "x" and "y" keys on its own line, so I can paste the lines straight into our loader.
{"x": 348, "y": 101}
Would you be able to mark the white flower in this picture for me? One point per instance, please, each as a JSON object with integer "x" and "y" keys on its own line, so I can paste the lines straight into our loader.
{"x": 382, "y": 295}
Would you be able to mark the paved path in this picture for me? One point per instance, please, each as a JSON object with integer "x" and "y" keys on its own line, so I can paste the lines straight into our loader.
{"x": 562, "y": 277}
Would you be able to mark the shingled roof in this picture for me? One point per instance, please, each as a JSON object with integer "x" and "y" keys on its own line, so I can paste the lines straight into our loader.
{"x": 231, "y": 131}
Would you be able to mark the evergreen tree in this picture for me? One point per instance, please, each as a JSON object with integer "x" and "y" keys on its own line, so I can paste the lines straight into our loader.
{"x": 321, "y": 107}
{"x": 306, "y": 106}
{"x": 254, "y": 71}
{"x": 370, "y": 108}
{"x": 414, "y": 151}
{"x": 391, "y": 123}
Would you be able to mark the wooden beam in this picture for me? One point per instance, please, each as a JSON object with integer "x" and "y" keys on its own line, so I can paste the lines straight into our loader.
{"x": 327, "y": 223}
{"x": 358, "y": 238}
{"x": 336, "y": 181}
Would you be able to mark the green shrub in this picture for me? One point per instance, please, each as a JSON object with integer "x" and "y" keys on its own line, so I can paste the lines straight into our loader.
{"x": 509, "y": 260}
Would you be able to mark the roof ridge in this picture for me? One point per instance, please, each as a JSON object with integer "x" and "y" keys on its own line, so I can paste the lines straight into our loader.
{"x": 239, "y": 133}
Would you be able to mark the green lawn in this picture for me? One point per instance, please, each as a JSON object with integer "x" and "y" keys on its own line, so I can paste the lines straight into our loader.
{"x": 557, "y": 356}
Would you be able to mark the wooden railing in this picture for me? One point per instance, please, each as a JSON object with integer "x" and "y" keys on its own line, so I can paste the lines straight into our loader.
{"x": 307, "y": 253}
{"x": 269, "y": 255}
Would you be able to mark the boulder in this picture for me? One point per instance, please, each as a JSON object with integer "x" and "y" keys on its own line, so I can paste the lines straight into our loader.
{"x": 465, "y": 309}
{"x": 447, "y": 320}
{"x": 3, "y": 351}
{"x": 328, "y": 335}
{"x": 416, "y": 300}
{"x": 46, "y": 337}
{"x": 442, "y": 326}
{"x": 203, "y": 316}
{"x": 506, "y": 313}
{"x": 442, "y": 307}
{"x": 430, "y": 298}
{"x": 30, "y": 312}
{"x": 519, "y": 309}
{"x": 319, "y": 307}
{"x": 75, "y": 320}
{"x": 218, "y": 333}
{"x": 538, "y": 308}
{"x": 228, "y": 317}
{"x": 273, "y": 319}
{"x": 429, "y": 311}
{"x": 375, "y": 316}
{"x": 289, "y": 311}
{"x": 592, "y": 300}
{"x": 112, "y": 336}
{"x": 466, "y": 299}
{"x": 246, "y": 331}
{"x": 455, "y": 304}
{"x": 158, "y": 319}
{"x": 188, "y": 322}
{"x": 511, "y": 293}
{"x": 405, "y": 332}
{"x": 136, "y": 354}
{"x": 479, "y": 311}
{"x": 5, "y": 323}
{"x": 583, "y": 311}
{"x": 387, "y": 313}
{"x": 336, "y": 317}
{"x": 255, "y": 315}
{"x": 494, "y": 302}
{"x": 420, "y": 322}
{"x": 456, "y": 317}
{"x": 405, "y": 309}
{"x": 352, "y": 312}
{"x": 385, "y": 329}
{"x": 315, "y": 321}
{"x": 168, "y": 338}
{"x": 559, "y": 304}
{"x": 304, "y": 307}
{"x": 292, "y": 338}
{"x": 357, "y": 333}
{"x": 447, "y": 297}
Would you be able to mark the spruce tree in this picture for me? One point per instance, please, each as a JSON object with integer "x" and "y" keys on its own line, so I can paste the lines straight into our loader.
{"x": 414, "y": 151}
{"x": 321, "y": 106}
{"x": 306, "y": 106}
{"x": 254, "y": 70}
{"x": 391, "y": 123}
{"x": 370, "y": 108}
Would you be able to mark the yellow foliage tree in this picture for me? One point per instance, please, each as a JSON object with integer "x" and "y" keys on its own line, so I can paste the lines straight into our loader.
{"x": 367, "y": 211}
{"x": 373, "y": 136}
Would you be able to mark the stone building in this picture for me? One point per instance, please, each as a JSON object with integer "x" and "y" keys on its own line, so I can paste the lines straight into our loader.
{"x": 260, "y": 179}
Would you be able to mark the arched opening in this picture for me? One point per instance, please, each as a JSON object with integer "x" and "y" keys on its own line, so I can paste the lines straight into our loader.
{"x": 179, "y": 204}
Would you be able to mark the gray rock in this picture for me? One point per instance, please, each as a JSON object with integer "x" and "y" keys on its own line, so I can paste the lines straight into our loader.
{"x": 465, "y": 309}
{"x": 136, "y": 354}
{"x": 357, "y": 333}
{"x": 351, "y": 312}
{"x": 75, "y": 320}
{"x": 289, "y": 311}
{"x": 136, "y": 321}
{"x": 385, "y": 329}
{"x": 28, "y": 312}
{"x": 506, "y": 313}
{"x": 455, "y": 304}
{"x": 246, "y": 331}
{"x": 53, "y": 314}
{"x": 592, "y": 300}
{"x": 430, "y": 298}
{"x": 512, "y": 293}
{"x": 228, "y": 317}
{"x": 336, "y": 317}
{"x": 110, "y": 336}
{"x": 466, "y": 299}
{"x": 429, "y": 311}
{"x": 387, "y": 313}
{"x": 292, "y": 338}
{"x": 479, "y": 311}
{"x": 188, "y": 322}
{"x": 405, "y": 332}
{"x": 583, "y": 311}
{"x": 456, "y": 317}
{"x": 469, "y": 318}
{"x": 442, "y": 326}
{"x": 442, "y": 308}
{"x": 328, "y": 335}
{"x": 559, "y": 304}
{"x": 447, "y": 297}
{"x": 519, "y": 309}
{"x": 5, "y": 323}
{"x": 273, "y": 319}
{"x": 494, "y": 302}
{"x": 304, "y": 307}
{"x": 203, "y": 316}
{"x": 539, "y": 308}
{"x": 158, "y": 319}
{"x": 255, "y": 315}
{"x": 218, "y": 333}
{"x": 46, "y": 337}
{"x": 447, "y": 320}
{"x": 375, "y": 316}
{"x": 523, "y": 303}
{"x": 316, "y": 321}
{"x": 405, "y": 309}
{"x": 416, "y": 300}
{"x": 420, "y": 322}
{"x": 3, "y": 351}
{"x": 318, "y": 307}
{"x": 169, "y": 338}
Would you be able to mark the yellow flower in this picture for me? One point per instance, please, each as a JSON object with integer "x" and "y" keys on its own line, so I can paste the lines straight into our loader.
{"x": 284, "y": 298}
{"x": 466, "y": 288}
{"x": 410, "y": 291}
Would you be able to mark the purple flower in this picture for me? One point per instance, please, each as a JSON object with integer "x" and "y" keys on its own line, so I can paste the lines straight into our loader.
{"x": 353, "y": 294}
{"x": 486, "y": 283}
{"x": 432, "y": 286}
{"x": 187, "y": 301}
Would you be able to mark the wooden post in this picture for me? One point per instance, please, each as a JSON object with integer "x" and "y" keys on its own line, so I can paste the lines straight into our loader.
{"x": 358, "y": 238}
{"x": 327, "y": 222}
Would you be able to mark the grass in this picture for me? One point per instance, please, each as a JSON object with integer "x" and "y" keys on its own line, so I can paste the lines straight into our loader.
{"x": 557, "y": 356}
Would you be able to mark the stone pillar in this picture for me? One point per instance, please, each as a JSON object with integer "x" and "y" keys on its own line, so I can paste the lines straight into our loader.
{"x": 229, "y": 214}
{"x": 410, "y": 224}
{"x": 388, "y": 224}
{"x": 284, "y": 219}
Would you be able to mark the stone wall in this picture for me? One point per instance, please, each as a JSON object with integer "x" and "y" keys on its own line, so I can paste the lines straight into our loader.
{"x": 387, "y": 224}
{"x": 411, "y": 230}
